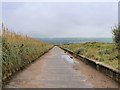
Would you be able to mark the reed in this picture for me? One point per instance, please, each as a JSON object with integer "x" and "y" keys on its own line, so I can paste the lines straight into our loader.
{"x": 18, "y": 51}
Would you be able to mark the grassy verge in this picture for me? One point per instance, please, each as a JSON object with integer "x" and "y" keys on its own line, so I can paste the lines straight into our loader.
{"x": 18, "y": 51}
{"x": 102, "y": 52}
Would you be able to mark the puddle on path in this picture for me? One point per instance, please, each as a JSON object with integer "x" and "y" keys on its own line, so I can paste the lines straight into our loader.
{"x": 68, "y": 59}
{"x": 71, "y": 61}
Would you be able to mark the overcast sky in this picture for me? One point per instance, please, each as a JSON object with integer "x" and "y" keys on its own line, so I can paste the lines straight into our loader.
{"x": 61, "y": 19}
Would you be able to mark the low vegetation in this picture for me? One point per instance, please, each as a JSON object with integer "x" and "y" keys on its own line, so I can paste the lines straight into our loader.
{"x": 102, "y": 52}
{"x": 18, "y": 51}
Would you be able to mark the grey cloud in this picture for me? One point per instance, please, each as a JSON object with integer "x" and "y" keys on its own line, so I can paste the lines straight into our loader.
{"x": 61, "y": 19}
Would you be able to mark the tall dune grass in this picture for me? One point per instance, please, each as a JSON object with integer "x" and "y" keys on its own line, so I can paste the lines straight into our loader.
{"x": 18, "y": 51}
{"x": 0, "y": 58}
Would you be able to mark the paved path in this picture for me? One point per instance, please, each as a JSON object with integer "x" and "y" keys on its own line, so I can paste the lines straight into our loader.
{"x": 56, "y": 69}
{"x": 55, "y": 72}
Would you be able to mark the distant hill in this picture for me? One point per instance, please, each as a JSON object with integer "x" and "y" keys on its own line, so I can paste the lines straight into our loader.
{"x": 74, "y": 40}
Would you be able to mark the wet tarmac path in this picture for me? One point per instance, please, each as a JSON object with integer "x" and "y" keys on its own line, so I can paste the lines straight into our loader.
{"x": 55, "y": 69}
{"x": 56, "y": 72}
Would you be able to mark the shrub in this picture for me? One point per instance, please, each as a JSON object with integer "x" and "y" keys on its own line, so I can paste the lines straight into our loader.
{"x": 105, "y": 51}
{"x": 116, "y": 37}
{"x": 101, "y": 59}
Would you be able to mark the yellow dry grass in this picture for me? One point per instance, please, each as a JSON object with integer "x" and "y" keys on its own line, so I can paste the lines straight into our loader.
{"x": 18, "y": 51}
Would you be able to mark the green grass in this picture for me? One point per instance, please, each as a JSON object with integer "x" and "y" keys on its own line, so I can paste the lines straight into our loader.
{"x": 102, "y": 52}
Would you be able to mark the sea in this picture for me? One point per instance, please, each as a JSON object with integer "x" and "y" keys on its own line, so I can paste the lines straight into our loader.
{"x": 74, "y": 40}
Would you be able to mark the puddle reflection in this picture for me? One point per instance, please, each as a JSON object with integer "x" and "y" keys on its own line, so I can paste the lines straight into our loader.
{"x": 68, "y": 59}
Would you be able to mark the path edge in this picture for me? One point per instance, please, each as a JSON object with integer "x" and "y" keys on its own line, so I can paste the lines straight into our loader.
{"x": 7, "y": 80}
{"x": 99, "y": 66}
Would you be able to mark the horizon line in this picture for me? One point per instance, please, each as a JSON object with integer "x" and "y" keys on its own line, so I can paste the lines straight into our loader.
{"x": 71, "y": 37}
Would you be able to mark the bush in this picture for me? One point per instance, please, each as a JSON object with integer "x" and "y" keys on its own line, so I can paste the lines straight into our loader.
{"x": 105, "y": 51}
{"x": 81, "y": 51}
{"x": 116, "y": 37}
{"x": 101, "y": 59}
